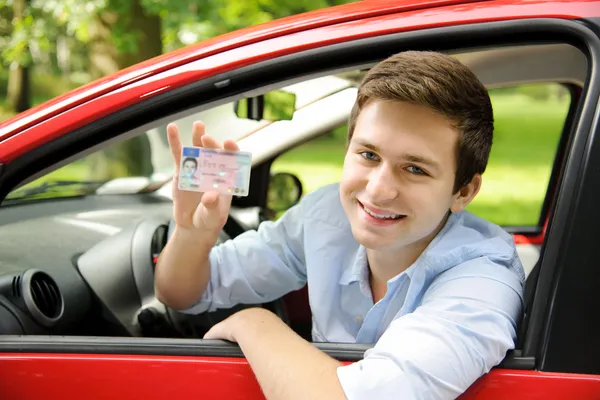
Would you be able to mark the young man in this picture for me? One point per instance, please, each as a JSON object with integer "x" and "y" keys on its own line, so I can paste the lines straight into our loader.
{"x": 389, "y": 255}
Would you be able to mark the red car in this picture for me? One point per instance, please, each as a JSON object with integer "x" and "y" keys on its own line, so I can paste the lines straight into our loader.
{"x": 78, "y": 316}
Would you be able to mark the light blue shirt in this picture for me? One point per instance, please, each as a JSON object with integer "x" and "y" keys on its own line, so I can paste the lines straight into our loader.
{"x": 445, "y": 321}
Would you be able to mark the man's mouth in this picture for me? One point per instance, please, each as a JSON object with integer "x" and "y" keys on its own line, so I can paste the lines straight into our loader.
{"x": 381, "y": 215}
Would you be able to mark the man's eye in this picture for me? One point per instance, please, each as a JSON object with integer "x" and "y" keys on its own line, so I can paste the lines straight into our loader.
{"x": 415, "y": 170}
{"x": 369, "y": 155}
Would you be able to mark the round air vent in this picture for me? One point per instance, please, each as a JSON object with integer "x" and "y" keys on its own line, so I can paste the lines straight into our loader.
{"x": 42, "y": 297}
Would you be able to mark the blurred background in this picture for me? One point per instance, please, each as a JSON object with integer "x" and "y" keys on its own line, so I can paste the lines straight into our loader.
{"x": 51, "y": 46}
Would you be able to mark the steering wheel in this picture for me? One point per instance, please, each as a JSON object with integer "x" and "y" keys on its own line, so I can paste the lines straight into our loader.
{"x": 129, "y": 259}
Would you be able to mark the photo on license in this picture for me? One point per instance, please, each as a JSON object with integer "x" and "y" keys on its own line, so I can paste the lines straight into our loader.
{"x": 223, "y": 171}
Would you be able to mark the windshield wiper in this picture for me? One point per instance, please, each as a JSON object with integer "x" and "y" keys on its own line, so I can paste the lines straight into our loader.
{"x": 46, "y": 187}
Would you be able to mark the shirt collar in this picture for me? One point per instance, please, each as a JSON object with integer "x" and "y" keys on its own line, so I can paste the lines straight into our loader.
{"x": 358, "y": 270}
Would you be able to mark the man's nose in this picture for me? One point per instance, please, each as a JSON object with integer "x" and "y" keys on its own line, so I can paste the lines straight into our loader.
{"x": 382, "y": 184}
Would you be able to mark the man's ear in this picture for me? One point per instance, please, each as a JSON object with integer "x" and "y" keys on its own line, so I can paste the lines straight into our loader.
{"x": 466, "y": 194}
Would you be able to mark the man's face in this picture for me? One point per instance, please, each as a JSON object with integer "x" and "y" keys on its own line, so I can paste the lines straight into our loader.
{"x": 398, "y": 175}
{"x": 189, "y": 168}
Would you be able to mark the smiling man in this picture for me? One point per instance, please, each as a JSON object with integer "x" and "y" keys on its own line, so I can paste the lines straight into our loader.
{"x": 389, "y": 254}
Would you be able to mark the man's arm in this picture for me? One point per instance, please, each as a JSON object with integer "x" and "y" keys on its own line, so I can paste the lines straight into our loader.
{"x": 286, "y": 366}
{"x": 183, "y": 269}
{"x": 464, "y": 327}
{"x": 255, "y": 267}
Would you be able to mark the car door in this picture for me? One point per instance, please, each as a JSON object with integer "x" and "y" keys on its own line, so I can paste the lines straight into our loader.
{"x": 553, "y": 357}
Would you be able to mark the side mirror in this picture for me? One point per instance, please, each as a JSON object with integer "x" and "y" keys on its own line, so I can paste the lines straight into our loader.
{"x": 273, "y": 106}
{"x": 285, "y": 190}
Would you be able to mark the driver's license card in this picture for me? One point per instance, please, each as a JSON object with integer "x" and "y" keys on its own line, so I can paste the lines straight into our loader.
{"x": 224, "y": 171}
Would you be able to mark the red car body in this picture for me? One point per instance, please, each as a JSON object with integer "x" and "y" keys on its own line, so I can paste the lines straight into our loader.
{"x": 47, "y": 375}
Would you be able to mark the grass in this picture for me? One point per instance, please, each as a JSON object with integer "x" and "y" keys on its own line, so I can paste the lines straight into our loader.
{"x": 515, "y": 182}
{"x": 316, "y": 163}
{"x": 526, "y": 140}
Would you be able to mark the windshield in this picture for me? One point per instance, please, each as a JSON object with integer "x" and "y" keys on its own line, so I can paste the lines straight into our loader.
{"x": 145, "y": 163}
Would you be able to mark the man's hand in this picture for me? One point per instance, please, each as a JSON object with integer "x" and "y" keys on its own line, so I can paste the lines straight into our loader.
{"x": 286, "y": 366}
{"x": 205, "y": 212}
{"x": 183, "y": 269}
{"x": 254, "y": 319}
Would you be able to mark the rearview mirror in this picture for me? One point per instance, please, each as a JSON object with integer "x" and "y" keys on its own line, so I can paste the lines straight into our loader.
{"x": 273, "y": 106}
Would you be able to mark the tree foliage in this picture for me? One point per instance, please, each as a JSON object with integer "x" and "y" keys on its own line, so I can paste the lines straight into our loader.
{"x": 183, "y": 22}
{"x": 98, "y": 37}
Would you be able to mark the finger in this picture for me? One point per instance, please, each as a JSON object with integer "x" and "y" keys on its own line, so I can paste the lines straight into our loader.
{"x": 210, "y": 199}
{"x": 210, "y": 143}
{"x": 198, "y": 130}
{"x": 213, "y": 333}
{"x": 207, "y": 213}
{"x": 219, "y": 331}
{"x": 174, "y": 143}
{"x": 231, "y": 145}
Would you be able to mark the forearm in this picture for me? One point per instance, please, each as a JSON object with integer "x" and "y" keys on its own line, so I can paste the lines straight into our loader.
{"x": 183, "y": 268}
{"x": 286, "y": 366}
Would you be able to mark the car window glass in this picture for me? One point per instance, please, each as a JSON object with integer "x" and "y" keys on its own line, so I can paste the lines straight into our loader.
{"x": 146, "y": 158}
{"x": 528, "y": 123}
{"x": 317, "y": 162}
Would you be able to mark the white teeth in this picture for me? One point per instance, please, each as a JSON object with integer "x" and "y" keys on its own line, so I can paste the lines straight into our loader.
{"x": 381, "y": 216}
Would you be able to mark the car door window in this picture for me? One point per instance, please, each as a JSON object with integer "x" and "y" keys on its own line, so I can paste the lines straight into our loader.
{"x": 529, "y": 120}
{"x": 143, "y": 160}
{"x": 316, "y": 163}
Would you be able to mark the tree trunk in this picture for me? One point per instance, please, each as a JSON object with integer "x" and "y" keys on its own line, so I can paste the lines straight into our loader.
{"x": 18, "y": 96}
{"x": 149, "y": 40}
{"x": 132, "y": 157}
{"x": 105, "y": 58}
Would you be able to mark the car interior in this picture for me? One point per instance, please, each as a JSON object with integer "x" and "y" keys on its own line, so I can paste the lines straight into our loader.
{"x": 83, "y": 264}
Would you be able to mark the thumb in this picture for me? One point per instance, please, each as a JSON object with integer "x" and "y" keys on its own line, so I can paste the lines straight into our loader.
{"x": 207, "y": 215}
{"x": 210, "y": 199}
{"x": 219, "y": 331}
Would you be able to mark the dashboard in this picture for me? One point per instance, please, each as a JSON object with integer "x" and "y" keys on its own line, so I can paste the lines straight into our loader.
{"x": 85, "y": 266}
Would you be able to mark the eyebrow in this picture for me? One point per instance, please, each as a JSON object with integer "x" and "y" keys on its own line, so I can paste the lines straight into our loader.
{"x": 407, "y": 157}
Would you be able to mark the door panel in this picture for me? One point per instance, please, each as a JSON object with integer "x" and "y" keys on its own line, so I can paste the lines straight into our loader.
{"x": 55, "y": 376}
{"x": 98, "y": 376}
{"x": 501, "y": 384}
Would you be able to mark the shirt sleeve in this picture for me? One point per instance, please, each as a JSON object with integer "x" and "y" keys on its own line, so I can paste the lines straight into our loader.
{"x": 463, "y": 328}
{"x": 257, "y": 266}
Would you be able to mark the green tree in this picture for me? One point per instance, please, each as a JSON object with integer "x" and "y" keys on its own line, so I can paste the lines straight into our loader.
{"x": 29, "y": 38}
{"x": 124, "y": 33}
{"x": 192, "y": 21}
{"x": 115, "y": 34}
{"x": 19, "y": 56}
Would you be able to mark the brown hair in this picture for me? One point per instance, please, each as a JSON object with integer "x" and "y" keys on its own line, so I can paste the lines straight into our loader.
{"x": 441, "y": 83}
